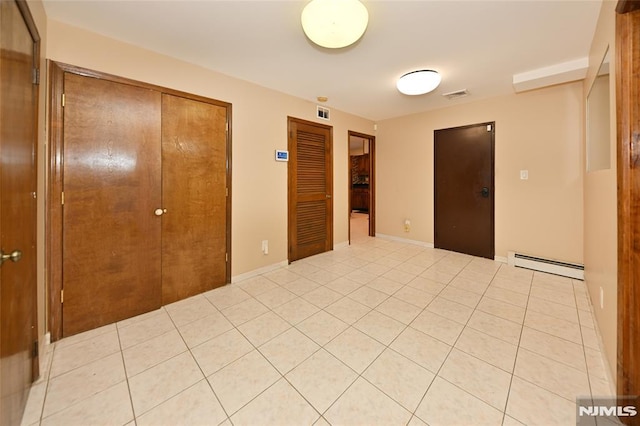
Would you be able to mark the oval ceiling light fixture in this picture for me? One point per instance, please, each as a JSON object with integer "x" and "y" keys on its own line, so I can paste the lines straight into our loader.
{"x": 334, "y": 23}
{"x": 418, "y": 82}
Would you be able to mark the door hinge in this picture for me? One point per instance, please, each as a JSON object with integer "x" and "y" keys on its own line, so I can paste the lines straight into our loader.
{"x": 62, "y": 198}
{"x": 62, "y": 296}
{"x": 226, "y": 126}
{"x": 489, "y": 127}
{"x": 35, "y": 349}
{"x": 226, "y": 257}
{"x": 36, "y": 76}
{"x": 63, "y": 99}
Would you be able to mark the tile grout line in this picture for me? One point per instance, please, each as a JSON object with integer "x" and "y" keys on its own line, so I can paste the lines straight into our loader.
{"x": 126, "y": 377}
{"x": 515, "y": 360}
{"x": 452, "y": 346}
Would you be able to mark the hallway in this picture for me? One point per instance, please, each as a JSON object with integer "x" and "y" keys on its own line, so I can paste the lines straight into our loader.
{"x": 376, "y": 333}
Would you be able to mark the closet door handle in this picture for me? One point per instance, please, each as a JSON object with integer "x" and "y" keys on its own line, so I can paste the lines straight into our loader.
{"x": 14, "y": 256}
{"x": 160, "y": 212}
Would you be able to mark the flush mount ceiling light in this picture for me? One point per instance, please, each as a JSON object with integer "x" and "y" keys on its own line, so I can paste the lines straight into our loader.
{"x": 418, "y": 82}
{"x": 334, "y": 23}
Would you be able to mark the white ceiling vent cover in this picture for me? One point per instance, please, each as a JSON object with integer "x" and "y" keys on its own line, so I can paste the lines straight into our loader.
{"x": 457, "y": 94}
{"x": 323, "y": 113}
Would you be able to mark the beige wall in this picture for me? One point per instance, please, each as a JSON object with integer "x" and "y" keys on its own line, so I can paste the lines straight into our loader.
{"x": 600, "y": 202}
{"x": 539, "y": 131}
{"x": 259, "y": 198}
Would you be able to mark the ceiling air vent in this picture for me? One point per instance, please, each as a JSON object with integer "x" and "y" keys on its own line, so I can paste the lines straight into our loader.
{"x": 457, "y": 94}
{"x": 323, "y": 113}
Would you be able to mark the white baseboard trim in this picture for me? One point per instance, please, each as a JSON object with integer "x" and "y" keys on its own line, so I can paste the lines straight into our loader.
{"x": 341, "y": 245}
{"x": 404, "y": 240}
{"x": 611, "y": 374}
{"x": 501, "y": 259}
{"x": 259, "y": 271}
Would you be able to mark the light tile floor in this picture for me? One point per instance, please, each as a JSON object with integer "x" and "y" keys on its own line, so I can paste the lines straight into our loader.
{"x": 377, "y": 333}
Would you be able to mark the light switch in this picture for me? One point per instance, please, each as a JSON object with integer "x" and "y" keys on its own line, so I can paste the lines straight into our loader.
{"x": 524, "y": 174}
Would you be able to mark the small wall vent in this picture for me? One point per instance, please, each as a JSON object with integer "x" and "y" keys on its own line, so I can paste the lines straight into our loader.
{"x": 457, "y": 94}
{"x": 323, "y": 113}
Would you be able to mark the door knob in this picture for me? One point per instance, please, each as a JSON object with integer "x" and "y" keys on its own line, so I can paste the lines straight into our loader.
{"x": 14, "y": 256}
{"x": 160, "y": 212}
{"x": 485, "y": 192}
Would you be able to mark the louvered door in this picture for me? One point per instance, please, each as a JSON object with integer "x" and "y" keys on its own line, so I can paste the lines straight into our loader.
{"x": 310, "y": 189}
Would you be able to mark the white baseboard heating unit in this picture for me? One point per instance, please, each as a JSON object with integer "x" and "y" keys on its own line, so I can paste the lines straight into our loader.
{"x": 570, "y": 270}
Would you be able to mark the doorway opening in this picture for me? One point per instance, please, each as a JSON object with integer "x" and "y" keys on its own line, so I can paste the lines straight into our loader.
{"x": 361, "y": 186}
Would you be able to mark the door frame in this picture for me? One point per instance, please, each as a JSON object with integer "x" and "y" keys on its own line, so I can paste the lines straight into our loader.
{"x": 628, "y": 178}
{"x": 54, "y": 171}
{"x": 372, "y": 181}
{"x": 492, "y": 184}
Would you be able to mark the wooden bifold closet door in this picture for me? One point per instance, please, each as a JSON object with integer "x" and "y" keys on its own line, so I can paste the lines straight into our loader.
{"x": 144, "y": 189}
{"x": 194, "y": 195}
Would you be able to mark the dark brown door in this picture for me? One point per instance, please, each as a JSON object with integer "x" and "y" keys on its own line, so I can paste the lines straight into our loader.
{"x": 194, "y": 185}
{"x": 463, "y": 187}
{"x": 18, "y": 116}
{"x": 112, "y": 187}
{"x": 310, "y": 188}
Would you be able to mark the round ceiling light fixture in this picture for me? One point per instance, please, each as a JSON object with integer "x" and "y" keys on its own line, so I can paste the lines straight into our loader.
{"x": 334, "y": 23}
{"x": 418, "y": 82}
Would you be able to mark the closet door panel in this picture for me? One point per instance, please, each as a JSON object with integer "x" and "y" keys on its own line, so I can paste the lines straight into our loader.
{"x": 111, "y": 184}
{"x": 194, "y": 186}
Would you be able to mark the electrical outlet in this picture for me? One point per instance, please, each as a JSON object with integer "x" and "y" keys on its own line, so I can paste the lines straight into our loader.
{"x": 601, "y": 298}
{"x": 265, "y": 246}
{"x": 407, "y": 225}
{"x": 524, "y": 174}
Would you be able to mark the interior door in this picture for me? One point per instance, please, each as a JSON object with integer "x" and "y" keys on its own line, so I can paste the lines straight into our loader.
{"x": 464, "y": 189}
{"x": 18, "y": 116}
{"x": 194, "y": 187}
{"x": 111, "y": 190}
{"x": 310, "y": 189}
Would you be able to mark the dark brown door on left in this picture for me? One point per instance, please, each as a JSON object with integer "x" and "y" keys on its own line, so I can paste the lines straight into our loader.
{"x": 310, "y": 189}
{"x": 112, "y": 188}
{"x": 463, "y": 189}
{"x": 18, "y": 112}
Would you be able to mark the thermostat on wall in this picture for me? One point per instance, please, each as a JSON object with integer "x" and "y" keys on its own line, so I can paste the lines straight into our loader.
{"x": 282, "y": 155}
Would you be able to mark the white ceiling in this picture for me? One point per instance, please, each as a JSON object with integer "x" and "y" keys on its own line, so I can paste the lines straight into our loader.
{"x": 476, "y": 45}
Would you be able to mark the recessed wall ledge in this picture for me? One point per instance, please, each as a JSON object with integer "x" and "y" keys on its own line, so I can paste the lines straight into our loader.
{"x": 548, "y": 76}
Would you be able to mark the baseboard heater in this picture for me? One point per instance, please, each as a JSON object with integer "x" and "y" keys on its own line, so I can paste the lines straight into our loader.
{"x": 564, "y": 269}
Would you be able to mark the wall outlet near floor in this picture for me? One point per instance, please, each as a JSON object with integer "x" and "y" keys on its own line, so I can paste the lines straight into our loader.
{"x": 265, "y": 246}
{"x": 407, "y": 225}
{"x": 601, "y": 298}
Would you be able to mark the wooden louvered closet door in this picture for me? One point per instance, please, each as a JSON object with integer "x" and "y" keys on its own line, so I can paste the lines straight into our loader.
{"x": 310, "y": 189}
